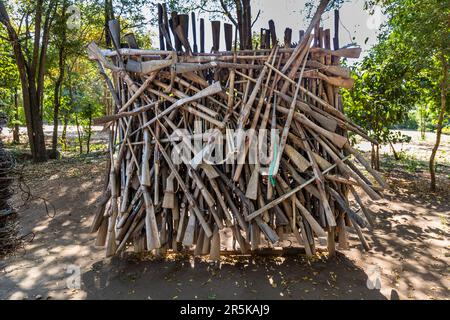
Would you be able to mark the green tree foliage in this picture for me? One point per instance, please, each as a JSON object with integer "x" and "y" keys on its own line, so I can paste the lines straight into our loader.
{"x": 408, "y": 68}
{"x": 9, "y": 89}
{"x": 47, "y": 65}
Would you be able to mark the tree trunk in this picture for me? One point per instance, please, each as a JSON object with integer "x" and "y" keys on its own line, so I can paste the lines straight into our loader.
{"x": 375, "y": 157}
{"x": 396, "y": 156}
{"x": 35, "y": 131}
{"x": 444, "y": 86}
{"x": 51, "y": 11}
{"x": 240, "y": 22}
{"x": 80, "y": 141}
{"x": 247, "y": 23}
{"x": 64, "y": 133}
{"x": 422, "y": 123}
{"x": 16, "y": 136}
{"x": 89, "y": 132}
{"x": 27, "y": 75}
{"x": 109, "y": 15}
{"x": 59, "y": 81}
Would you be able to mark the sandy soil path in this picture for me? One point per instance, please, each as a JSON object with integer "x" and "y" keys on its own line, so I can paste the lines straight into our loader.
{"x": 410, "y": 251}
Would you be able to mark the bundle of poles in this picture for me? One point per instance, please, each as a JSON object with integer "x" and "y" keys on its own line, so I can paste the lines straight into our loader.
{"x": 183, "y": 174}
{"x": 9, "y": 227}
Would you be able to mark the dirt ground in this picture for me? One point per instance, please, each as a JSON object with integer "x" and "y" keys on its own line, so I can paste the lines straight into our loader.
{"x": 409, "y": 255}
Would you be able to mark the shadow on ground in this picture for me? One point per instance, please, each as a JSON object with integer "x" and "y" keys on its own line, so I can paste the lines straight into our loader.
{"x": 237, "y": 278}
{"x": 409, "y": 251}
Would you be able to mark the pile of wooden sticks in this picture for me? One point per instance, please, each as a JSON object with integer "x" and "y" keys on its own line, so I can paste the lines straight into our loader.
{"x": 9, "y": 228}
{"x": 176, "y": 109}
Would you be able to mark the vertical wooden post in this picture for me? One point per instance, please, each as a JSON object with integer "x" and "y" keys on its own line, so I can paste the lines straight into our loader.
{"x": 174, "y": 21}
{"x": 316, "y": 34}
{"x": 336, "y": 36}
{"x": 301, "y": 35}
{"x": 267, "y": 39}
{"x": 247, "y": 23}
{"x": 321, "y": 35}
{"x": 194, "y": 32}
{"x": 228, "y": 36}
{"x": 160, "y": 26}
{"x": 215, "y": 25}
{"x": 262, "y": 38}
{"x": 183, "y": 20}
{"x": 336, "y": 30}
{"x": 287, "y": 37}
{"x": 114, "y": 29}
{"x": 131, "y": 41}
{"x": 202, "y": 35}
{"x": 273, "y": 33}
{"x": 166, "y": 27}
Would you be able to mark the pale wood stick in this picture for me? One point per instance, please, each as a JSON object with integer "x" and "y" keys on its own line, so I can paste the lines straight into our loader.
{"x": 343, "y": 237}
{"x": 138, "y": 92}
{"x": 341, "y": 180}
{"x": 213, "y": 89}
{"x": 183, "y": 67}
{"x": 286, "y": 195}
{"x": 335, "y": 138}
{"x": 360, "y": 236}
{"x": 248, "y": 143}
{"x": 182, "y": 95}
{"x": 360, "y": 221}
{"x": 362, "y": 206}
{"x": 189, "y": 85}
{"x": 332, "y": 69}
{"x": 287, "y": 125}
{"x": 111, "y": 235}
{"x": 297, "y": 64}
{"x": 245, "y": 112}
{"x": 346, "y": 83}
{"x": 340, "y": 163}
{"x": 319, "y": 181}
{"x": 269, "y": 233}
{"x": 304, "y": 212}
{"x": 329, "y": 108}
{"x": 300, "y": 162}
{"x": 124, "y": 114}
{"x": 147, "y": 67}
{"x": 189, "y": 197}
{"x": 151, "y": 228}
{"x": 367, "y": 165}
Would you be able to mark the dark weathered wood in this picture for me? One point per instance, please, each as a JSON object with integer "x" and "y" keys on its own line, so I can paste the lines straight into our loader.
{"x": 166, "y": 28}
{"x": 301, "y": 35}
{"x": 267, "y": 39}
{"x": 273, "y": 33}
{"x": 131, "y": 41}
{"x": 228, "y": 28}
{"x": 287, "y": 37}
{"x": 114, "y": 30}
{"x": 202, "y": 35}
{"x": 247, "y": 24}
{"x": 215, "y": 26}
{"x": 336, "y": 30}
{"x": 194, "y": 32}
{"x": 262, "y": 38}
{"x": 183, "y": 20}
{"x": 174, "y": 22}
{"x": 160, "y": 27}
